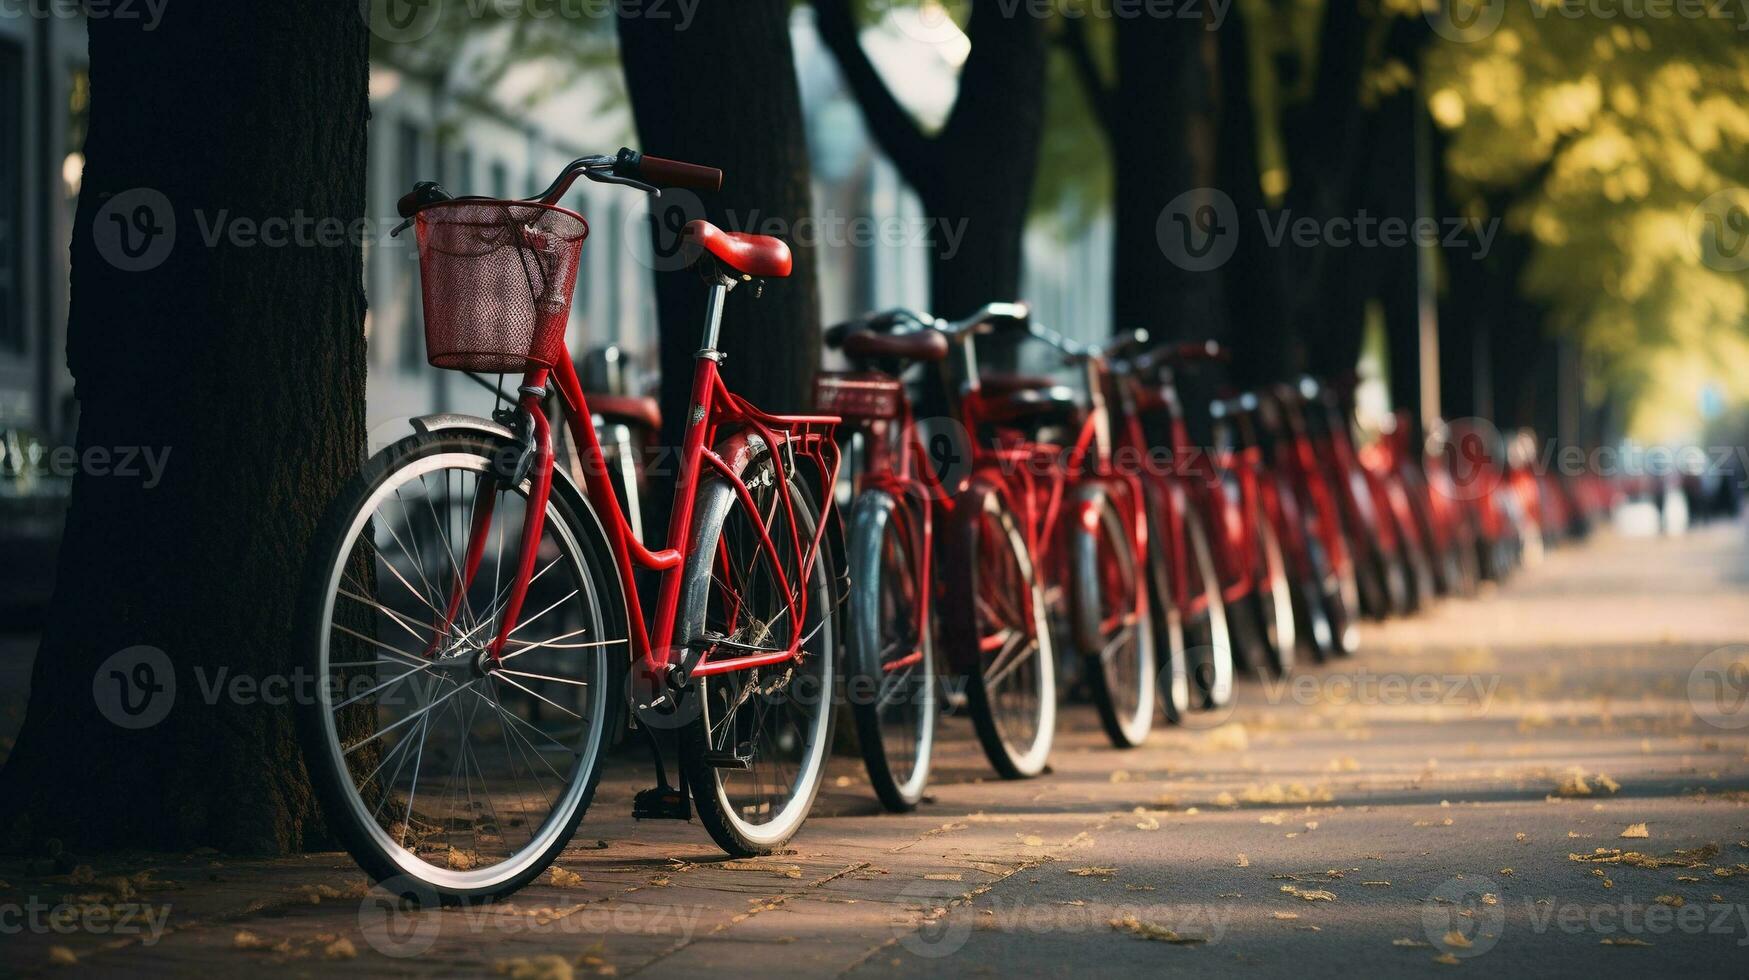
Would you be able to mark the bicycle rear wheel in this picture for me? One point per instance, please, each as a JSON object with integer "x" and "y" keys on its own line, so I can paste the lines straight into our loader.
{"x": 755, "y": 754}
{"x": 448, "y": 775}
{"x": 890, "y": 673}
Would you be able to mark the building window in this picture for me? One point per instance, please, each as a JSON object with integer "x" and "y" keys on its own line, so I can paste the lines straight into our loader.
{"x": 12, "y": 330}
{"x": 500, "y": 180}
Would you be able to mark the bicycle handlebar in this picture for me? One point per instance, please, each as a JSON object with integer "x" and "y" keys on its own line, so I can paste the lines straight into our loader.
{"x": 663, "y": 172}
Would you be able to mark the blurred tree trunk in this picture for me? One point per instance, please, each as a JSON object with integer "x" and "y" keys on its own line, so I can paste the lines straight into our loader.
{"x": 1266, "y": 348}
{"x": 242, "y": 361}
{"x": 723, "y": 93}
{"x": 975, "y": 176}
{"x": 1158, "y": 115}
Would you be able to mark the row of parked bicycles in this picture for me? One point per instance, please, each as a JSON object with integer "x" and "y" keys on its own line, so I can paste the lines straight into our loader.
{"x": 487, "y": 617}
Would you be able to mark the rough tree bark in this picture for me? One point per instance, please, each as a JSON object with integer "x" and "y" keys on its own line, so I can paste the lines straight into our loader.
{"x": 977, "y": 172}
{"x": 723, "y": 92}
{"x": 1158, "y": 115}
{"x": 245, "y": 363}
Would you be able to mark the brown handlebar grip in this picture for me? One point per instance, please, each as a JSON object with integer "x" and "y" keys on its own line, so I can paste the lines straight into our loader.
{"x": 1207, "y": 350}
{"x": 408, "y": 204}
{"x": 674, "y": 173}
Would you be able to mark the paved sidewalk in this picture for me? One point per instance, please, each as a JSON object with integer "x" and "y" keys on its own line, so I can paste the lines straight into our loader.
{"x": 1532, "y": 771}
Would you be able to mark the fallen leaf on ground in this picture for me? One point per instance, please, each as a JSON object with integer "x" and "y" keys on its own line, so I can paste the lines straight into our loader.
{"x": 62, "y": 956}
{"x": 1154, "y": 931}
{"x": 1674, "y": 901}
{"x": 340, "y": 949}
{"x": 1447, "y": 959}
{"x": 1227, "y": 738}
{"x": 1635, "y": 830}
{"x": 1411, "y": 944}
{"x": 1285, "y": 915}
{"x": 1243, "y": 862}
{"x": 1147, "y": 823}
{"x": 1310, "y": 894}
{"x": 1456, "y": 940}
{"x": 565, "y": 879}
{"x": 780, "y": 870}
{"x": 1093, "y": 871}
{"x": 944, "y": 876}
{"x": 246, "y": 940}
{"x": 1623, "y": 941}
{"x": 548, "y": 967}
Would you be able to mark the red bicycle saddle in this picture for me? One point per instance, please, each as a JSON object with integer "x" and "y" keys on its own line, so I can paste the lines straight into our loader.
{"x": 760, "y": 256}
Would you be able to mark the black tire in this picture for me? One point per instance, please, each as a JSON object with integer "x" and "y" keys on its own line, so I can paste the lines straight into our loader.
{"x": 895, "y": 717}
{"x": 801, "y": 698}
{"x": 1105, "y": 581}
{"x": 1016, "y": 722}
{"x": 1174, "y": 681}
{"x": 1208, "y": 642}
{"x": 575, "y": 528}
{"x": 1272, "y": 600}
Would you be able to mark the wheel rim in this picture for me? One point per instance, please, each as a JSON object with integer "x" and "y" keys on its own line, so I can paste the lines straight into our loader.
{"x": 1275, "y": 597}
{"x": 1122, "y": 628}
{"x": 897, "y": 656}
{"x": 775, "y": 716}
{"x": 1216, "y": 662}
{"x": 463, "y": 772}
{"x": 1016, "y": 671}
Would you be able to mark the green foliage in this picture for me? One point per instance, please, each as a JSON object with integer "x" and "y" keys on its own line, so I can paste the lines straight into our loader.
{"x": 1618, "y": 145}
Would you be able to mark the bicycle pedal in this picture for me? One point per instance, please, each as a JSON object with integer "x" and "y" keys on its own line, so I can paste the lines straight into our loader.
{"x": 725, "y": 759}
{"x": 661, "y": 803}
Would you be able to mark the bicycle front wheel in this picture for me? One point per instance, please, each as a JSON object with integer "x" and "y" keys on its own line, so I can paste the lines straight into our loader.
{"x": 1005, "y": 646}
{"x": 1113, "y": 625}
{"x": 890, "y": 681}
{"x": 450, "y": 775}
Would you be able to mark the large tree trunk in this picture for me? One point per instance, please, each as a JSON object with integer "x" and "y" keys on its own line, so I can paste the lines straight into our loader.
{"x": 1265, "y": 346}
{"x": 723, "y": 92}
{"x": 1158, "y": 115}
{"x": 245, "y": 364}
{"x": 975, "y": 176}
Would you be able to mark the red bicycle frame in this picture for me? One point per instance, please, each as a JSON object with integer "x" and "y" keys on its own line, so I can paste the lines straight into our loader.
{"x": 722, "y": 433}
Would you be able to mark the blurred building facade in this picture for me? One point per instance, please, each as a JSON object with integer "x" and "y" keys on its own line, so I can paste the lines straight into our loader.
{"x": 479, "y": 139}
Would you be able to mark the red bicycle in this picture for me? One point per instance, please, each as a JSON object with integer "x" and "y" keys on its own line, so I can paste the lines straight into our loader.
{"x": 890, "y": 671}
{"x": 467, "y": 611}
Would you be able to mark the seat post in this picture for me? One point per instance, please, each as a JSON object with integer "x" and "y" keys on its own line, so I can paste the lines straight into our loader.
{"x": 713, "y": 312}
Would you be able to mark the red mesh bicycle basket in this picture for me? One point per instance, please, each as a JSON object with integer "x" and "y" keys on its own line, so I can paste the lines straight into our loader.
{"x": 496, "y": 279}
